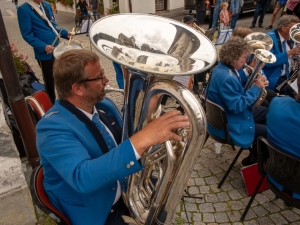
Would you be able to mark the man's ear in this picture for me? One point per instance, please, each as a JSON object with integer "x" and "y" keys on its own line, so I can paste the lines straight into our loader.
{"x": 78, "y": 89}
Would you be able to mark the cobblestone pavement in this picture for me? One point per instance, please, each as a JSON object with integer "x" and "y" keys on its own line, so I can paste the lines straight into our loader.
{"x": 217, "y": 206}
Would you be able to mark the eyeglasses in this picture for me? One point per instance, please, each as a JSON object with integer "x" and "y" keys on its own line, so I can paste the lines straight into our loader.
{"x": 102, "y": 76}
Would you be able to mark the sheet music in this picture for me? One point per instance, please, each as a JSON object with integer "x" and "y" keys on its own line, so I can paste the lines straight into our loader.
{"x": 294, "y": 85}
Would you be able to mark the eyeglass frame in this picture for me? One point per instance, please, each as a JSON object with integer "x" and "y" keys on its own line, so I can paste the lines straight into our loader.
{"x": 95, "y": 79}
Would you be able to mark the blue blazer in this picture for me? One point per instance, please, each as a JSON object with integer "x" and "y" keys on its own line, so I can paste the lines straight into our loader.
{"x": 285, "y": 136}
{"x": 225, "y": 89}
{"x": 273, "y": 71}
{"x": 80, "y": 180}
{"x": 36, "y": 32}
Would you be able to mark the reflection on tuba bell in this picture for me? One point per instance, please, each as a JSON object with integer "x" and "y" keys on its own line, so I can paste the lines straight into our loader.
{"x": 261, "y": 44}
{"x": 295, "y": 36}
{"x": 153, "y": 57}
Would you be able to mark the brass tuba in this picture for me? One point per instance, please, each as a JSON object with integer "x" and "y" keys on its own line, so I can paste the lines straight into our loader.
{"x": 295, "y": 36}
{"x": 261, "y": 44}
{"x": 154, "y": 49}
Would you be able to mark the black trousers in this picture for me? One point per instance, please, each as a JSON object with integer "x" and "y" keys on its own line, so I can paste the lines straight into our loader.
{"x": 47, "y": 70}
{"x": 118, "y": 209}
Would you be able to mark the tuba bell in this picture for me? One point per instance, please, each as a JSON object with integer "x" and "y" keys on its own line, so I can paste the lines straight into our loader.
{"x": 295, "y": 36}
{"x": 154, "y": 49}
{"x": 261, "y": 44}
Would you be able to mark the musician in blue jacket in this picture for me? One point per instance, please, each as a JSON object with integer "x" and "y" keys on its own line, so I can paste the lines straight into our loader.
{"x": 283, "y": 49}
{"x": 287, "y": 137}
{"x": 39, "y": 29}
{"x": 85, "y": 168}
{"x": 226, "y": 90}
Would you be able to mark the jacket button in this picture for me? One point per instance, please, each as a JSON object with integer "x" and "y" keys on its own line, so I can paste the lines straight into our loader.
{"x": 128, "y": 166}
{"x": 131, "y": 163}
{"x": 113, "y": 189}
{"x": 250, "y": 128}
{"x": 111, "y": 211}
{"x": 248, "y": 118}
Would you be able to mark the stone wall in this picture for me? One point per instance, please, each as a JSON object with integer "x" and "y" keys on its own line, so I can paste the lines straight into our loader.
{"x": 16, "y": 205}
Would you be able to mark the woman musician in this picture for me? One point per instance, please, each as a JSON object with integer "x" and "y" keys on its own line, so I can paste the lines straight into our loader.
{"x": 226, "y": 90}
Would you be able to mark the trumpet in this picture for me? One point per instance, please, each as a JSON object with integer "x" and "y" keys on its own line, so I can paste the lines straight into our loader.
{"x": 261, "y": 43}
{"x": 199, "y": 28}
{"x": 211, "y": 34}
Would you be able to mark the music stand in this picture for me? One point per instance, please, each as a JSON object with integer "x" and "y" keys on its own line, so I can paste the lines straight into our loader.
{"x": 85, "y": 23}
{"x": 288, "y": 81}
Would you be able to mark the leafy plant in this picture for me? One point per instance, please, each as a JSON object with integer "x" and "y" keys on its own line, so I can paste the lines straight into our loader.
{"x": 51, "y": 1}
{"x": 113, "y": 9}
{"x": 68, "y": 3}
{"x": 19, "y": 60}
{"x": 101, "y": 7}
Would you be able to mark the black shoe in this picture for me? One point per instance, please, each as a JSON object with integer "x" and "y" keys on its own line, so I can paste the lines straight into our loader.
{"x": 261, "y": 26}
{"x": 249, "y": 160}
{"x": 252, "y": 26}
{"x": 269, "y": 27}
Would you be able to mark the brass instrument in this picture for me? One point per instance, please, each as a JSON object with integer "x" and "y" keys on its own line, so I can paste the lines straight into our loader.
{"x": 154, "y": 49}
{"x": 261, "y": 44}
{"x": 199, "y": 28}
{"x": 295, "y": 36}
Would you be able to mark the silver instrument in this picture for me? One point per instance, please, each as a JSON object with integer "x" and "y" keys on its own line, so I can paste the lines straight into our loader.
{"x": 154, "y": 49}
{"x": 261, "y": 44}
{"x": 295, "y": 36}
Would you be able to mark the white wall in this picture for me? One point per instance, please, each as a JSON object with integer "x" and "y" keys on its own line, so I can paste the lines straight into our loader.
{"x": 143, "y": 6}
{"x": 124, "y": 6}
{"x": 175, "y": 4}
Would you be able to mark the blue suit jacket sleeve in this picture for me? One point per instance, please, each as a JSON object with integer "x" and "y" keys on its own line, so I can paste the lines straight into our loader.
{"x": 235, "y": 101}
{"x": 65, "y": 144}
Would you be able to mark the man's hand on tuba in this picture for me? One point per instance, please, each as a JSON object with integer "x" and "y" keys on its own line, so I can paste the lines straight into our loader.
{"x": 262, "y": 82}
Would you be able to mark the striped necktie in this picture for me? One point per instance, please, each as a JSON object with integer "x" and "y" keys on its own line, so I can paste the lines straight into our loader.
{"x": 106, "y": 136}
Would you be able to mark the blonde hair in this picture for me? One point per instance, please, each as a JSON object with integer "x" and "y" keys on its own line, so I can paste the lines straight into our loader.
{"x": 241, "y": 32}
{"x": 224, "y": 4}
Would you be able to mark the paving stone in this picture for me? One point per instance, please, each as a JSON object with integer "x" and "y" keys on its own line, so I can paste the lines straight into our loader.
{"x": 264, "y": 221}
{"x": 221, "y": 207}
{"x": 215, "y": 170}
{"x": 234, "y": 194}
{"x": 250, "y": 214}
{"x": 237, "y": 223}
{"x": 243, "y": 192}
{"x": 251, "y": 222}
{"x": 211, "y": 198}
{"x": 237, "y": 183}
{"x": 226, "y": 186}
{"x": 190, "y": 207}
{"x": 259, "y": 210}
{"x": 191, "y": 182}
{"x": 206, "y": 208}
{"x": 246, "y": 200}
{"x": 204, "y": 189}
{"x": 204, "y": 172}
{"x": 197, "y": 217}
{"x": 194, "y": 174}
{"x": 279, "y": 203}
{"x": 234, "y": 174}
{"x": 278, "y": 218}
{"x": 295, "y": 210}
{"x": 198, "y": 166}
{"x": 271, "y": 207}
{"x": 221, "y": 217}
{"x": 236, "y": 205}
{"x": 261, "y": 198}
{"x": 199, "y": 181}
{"x": 193, "y": 190}
{"x": 223, "y": 196}
{"x": 214, "y": 188}
{"x": 290, "y": 215}
{"x": 211, "y": 180}
{"x": 208, "y": 217}
{"x": 234, "y": 216}
{"x": 269, "y": 194}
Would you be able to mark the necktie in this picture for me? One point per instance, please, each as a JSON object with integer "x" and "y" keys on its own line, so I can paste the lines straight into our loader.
{"x": 286, "y": 65}
{"x": 106, "y": 136}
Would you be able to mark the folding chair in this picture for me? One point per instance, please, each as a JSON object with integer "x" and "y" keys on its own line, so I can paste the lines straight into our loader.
{"x": 216, "y": 117}
{"x": 41, "y": 199}
{"x": 280, "y": 167}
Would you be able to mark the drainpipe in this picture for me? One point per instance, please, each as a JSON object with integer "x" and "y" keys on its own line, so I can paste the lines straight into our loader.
{"x": 16, "y": 98}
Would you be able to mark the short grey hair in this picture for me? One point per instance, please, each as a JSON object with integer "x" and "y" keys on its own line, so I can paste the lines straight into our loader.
{"x": 232, "y": 50}
{"x": 285, "y": 20}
